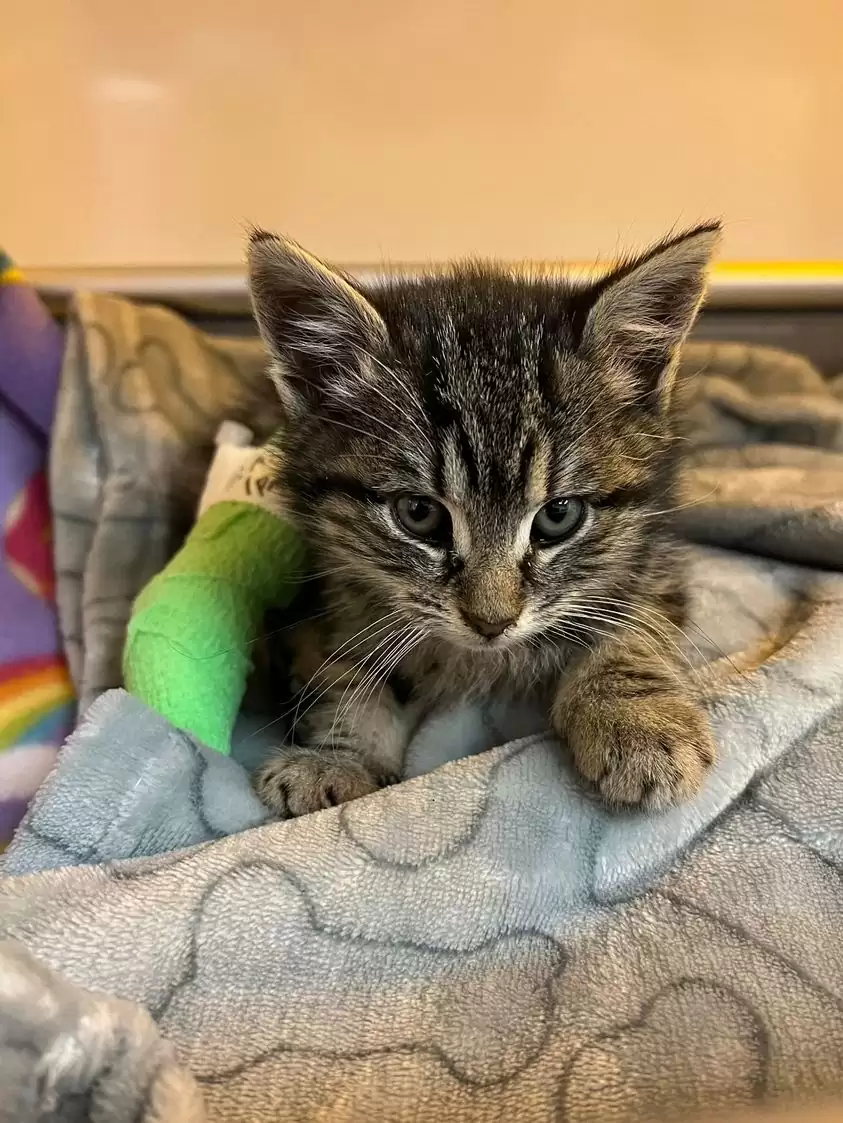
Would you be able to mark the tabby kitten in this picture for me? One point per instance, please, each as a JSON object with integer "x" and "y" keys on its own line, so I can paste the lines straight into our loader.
{"x": 483, "y": 465}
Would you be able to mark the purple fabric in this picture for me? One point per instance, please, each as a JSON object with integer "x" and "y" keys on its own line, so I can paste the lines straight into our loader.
{"x": 12, "y": 810}
{"x": 31, "y": 345}
{"x": 28, "y": 623}
{"x": 35, "y": 710}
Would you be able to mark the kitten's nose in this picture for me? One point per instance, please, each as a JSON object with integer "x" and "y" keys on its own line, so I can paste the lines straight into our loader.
{"x": 488, "y": 628}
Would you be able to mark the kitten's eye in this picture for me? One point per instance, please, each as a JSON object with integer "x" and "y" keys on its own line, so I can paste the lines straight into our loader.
{"x": 557, "y": 520}
{"x": 421, "y": 515}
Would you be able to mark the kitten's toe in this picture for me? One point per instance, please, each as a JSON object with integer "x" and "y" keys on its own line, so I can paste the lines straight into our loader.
{"x": 297, "y": 782}
{"x": 651, "y": 754}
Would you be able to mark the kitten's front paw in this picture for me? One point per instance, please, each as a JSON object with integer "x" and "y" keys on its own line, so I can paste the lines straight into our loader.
{"x": 650, "y": 752}
{"x": 298, "y": 781}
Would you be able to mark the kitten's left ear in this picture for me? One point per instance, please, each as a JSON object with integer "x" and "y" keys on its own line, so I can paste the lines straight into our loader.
{"x": 644, "y": 309}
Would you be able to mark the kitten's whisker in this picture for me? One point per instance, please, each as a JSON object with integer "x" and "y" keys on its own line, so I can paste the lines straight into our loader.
{"x": 634, "y": 624}
{"x": 384, "y": 645}
{"x": 710, "y": 642}
{"x": 343, "y": 649}
{"x": 636, "y": 459}
{"x": 671, "y": 670}
{"x": 681, "y": 506}
{"x": 256, "y": 639}
{"x": 421, "y": 635}
{"x": 317, "y": 575}
{"x": 668, "y": 437}
{"x": 653, "y": 611}
{"x": 300, "y": 694}
{"x": 320, "y": 694}
{"x": 639, "y": 635}
{"x": 392, "y": 643}
{"x": 384, "y": 623}
{"x": 557, "y": 629}
{"x": 397, "y": 653}
{"x": 630, "y": 609}
{"x": 417, "y": 638}
{"x": 640, "y": 614}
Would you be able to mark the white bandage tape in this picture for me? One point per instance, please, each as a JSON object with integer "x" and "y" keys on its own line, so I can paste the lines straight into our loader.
{"x": 240, "y": 472}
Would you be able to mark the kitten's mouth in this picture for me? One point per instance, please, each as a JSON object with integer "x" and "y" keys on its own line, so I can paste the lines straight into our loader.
{"x": 496, "y": 639}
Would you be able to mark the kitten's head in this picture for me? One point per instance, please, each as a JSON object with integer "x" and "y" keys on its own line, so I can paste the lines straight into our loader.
{"x": 486, "y": 454}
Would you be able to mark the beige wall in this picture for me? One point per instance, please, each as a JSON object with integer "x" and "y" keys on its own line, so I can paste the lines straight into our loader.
{"x": 148, "y": 132}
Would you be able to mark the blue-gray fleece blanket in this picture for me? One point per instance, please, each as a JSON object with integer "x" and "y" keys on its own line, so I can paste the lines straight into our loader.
{"x": 485, "y": 941}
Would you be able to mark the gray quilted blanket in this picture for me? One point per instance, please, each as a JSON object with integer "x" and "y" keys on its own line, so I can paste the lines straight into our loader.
{"x": 484, "y": 942}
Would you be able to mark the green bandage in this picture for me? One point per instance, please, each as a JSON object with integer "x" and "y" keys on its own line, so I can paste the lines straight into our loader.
{"x": 189, "y": 641}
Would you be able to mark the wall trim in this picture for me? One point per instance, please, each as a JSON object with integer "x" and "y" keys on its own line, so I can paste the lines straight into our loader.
{"x": 733, "y": 285}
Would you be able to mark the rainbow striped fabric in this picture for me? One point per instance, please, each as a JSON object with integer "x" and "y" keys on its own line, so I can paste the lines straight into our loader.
{"x": 36, "y": 712}
{"x": 36, "y": 697}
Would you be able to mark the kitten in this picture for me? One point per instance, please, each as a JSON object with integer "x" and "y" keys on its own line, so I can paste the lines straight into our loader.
{"x": 483, "y": 465}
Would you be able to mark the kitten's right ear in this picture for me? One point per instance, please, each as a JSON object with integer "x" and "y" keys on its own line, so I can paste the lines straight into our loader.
{"x": 317, "y": 327}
